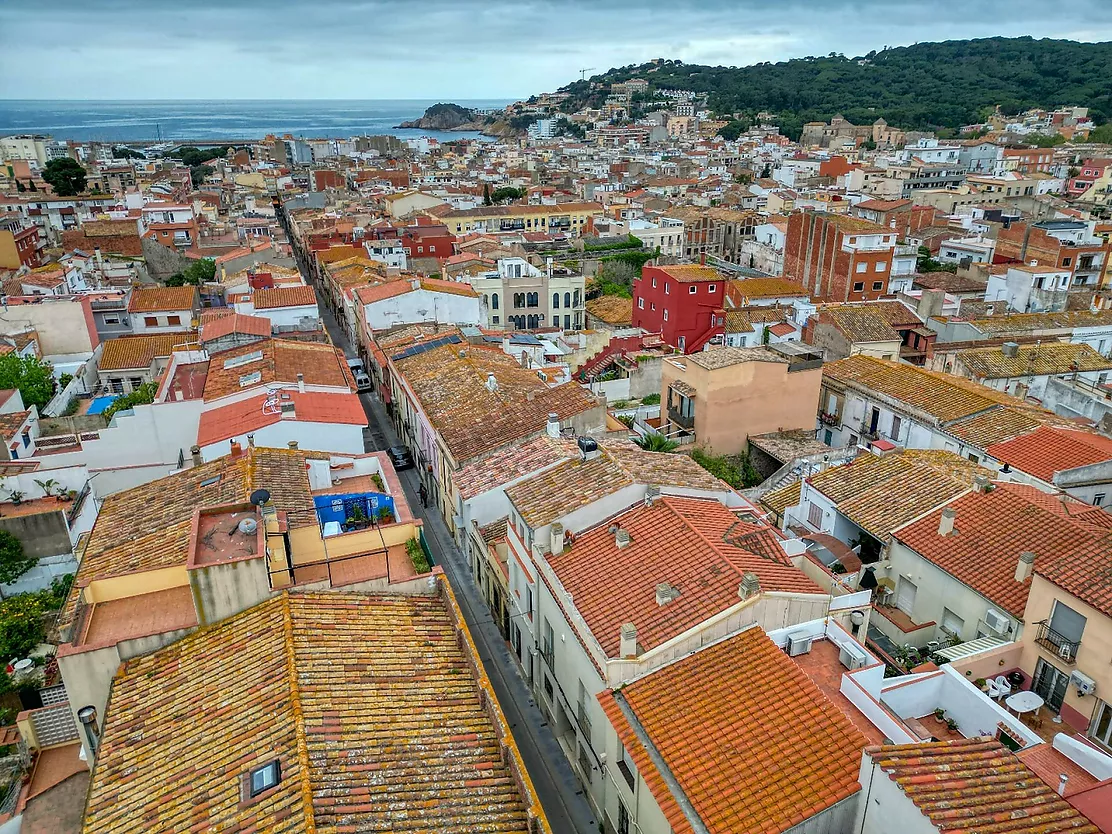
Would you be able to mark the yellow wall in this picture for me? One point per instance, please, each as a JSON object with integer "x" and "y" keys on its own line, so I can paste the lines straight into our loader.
{"x": 134, "y": 584}
{"x": 308, "y": 547}
{"x": 9, "y": 255}
{"x": 250, "y": 180}
{"x": 1092, "y": 654}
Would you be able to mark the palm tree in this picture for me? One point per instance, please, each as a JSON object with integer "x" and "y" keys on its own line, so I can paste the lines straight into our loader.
{"x": 656, "y": 443}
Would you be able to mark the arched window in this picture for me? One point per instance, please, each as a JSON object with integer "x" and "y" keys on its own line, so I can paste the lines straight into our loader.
{"x": 576, "y": 303}
{"x": 519, "y": 299}
{"x": 567, "y": 299}
{"x": 533, "y": 300}
{"x": 555, "y": 301}
{"x": 494, "y": 301}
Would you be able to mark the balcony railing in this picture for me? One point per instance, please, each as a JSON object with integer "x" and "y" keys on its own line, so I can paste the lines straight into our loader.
{"x": 686, "y": 421}
{"x": 1064, "y": 648}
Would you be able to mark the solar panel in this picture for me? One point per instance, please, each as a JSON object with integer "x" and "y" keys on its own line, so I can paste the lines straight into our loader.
{"x": 424, "y": 347}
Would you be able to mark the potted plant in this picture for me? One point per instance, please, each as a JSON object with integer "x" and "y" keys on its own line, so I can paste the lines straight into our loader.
{"x": 16, "y": 496}
{"x": 940, "y": 714}
{"x": 376, "y": 479}
{"x": 358, "y": 519}
{"x": 980, "y": 684}
{"x": 385, "y": 515}
{"x": 951, "y": 724}
{"x": 48, "y": 487}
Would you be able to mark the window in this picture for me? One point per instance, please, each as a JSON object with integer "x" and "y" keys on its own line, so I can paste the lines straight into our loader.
{"x": 555, "y": 301}
{"x": 529, "y": 600}
{"x": 710, "y": 288}
{"x": 548, "y": 690}
{"x": 640, "y": 304}
{"x": 666, "y": 288}
{"x": 814, "y": 516}
{"x": 862, "y": 266}
{"x": 952, "y": 623}
{"x": 666, "y": 314}
{"x": 494, "y": 301}
{"x": 878, "y": 286}
{"x": 623, "y": 817}
{"x": 533, "y": 300}
{"x": 896, "y": 426}
{"x": 859, "y": 286}
{"x": 173, "y": 320}
{"x": 263, "y": 778}
{"x": 567, "y": 322}
{"x": 654, "y": 283}
{"x": 1067, "y": 261}
{"x": 567, "y": 299}
{"x": 693, "y": 289}
{"x": 111, "y": 319}
{"x": 495, "y": 320}
{"x": 880, "y": 266}
{"x": 1102, "y": 726}
{"x": 1098, "y": 499}
{"x": 652, "y": 305}
{"x": 974, "y": 458}
{"x": 150, "y": 321}
{"x": 626, "y": 766}
{"x": 420, "y": 250}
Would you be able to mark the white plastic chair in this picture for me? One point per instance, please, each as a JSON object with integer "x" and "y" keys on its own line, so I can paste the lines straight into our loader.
{"x": 1003, "y": 686}
{"x": 992, "y": 690}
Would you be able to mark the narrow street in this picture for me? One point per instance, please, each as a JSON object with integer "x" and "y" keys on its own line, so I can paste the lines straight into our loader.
{"x": 557, "y": 786}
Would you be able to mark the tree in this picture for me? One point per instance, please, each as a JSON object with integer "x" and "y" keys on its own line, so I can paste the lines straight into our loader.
{"x": 124, "y": 152}
{"x": 656, "y": 443}
{"x": 65, "y": 176}
{"x": 198, "y": 272}
{"x": 1102, "y": 135}
{"x": 143, "y": 395}
{"x": 616, "y": 278}
{"x": 732, "y": 129}
{"x": 507, "y": 192}
{"x": 486, "y": 195}
{"x": 197, "y": 174}
{"x": 14, "y": 562}
{"x": 21, "y": 626}
{"x": 33, "y": 377}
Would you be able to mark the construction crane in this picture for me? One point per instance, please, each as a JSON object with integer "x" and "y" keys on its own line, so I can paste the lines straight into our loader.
{"x": 583, "y": 72}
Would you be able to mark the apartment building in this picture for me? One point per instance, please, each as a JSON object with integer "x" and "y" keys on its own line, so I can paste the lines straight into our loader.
{"x": 572, "y": 219}
{"x": 520, "y": 296}
{"x": 683, "y": 303}
{"x": 839, "y": 258}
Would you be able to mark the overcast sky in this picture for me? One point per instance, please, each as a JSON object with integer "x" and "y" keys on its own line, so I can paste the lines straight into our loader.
{"x": 457, "y": 49}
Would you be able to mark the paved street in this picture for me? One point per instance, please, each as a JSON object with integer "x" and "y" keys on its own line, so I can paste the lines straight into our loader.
{"x": 557, "y": 786}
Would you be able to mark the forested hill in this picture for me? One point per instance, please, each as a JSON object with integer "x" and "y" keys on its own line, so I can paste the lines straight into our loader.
{"x": 925, "y": 86}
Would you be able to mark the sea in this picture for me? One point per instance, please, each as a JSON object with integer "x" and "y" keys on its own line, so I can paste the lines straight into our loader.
{"x": 213, "y": 121}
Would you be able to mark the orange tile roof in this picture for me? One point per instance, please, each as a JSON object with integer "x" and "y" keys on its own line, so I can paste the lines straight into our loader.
{"x": 741, "y": 289}
{"x": 127, "y": 353}
{"x": 314, "y": 681}
{"x": 750, "y": 740}
{"x": 270, "y": 299}
{"x": 11, "y": 422}
{"x": 280, "y": 362}
{"x": 161, "y": 299}
{"x": 611, "y": 309}
{"x": 216, "y": 327}
{"x": 990, "y": 531}
{"x": 697, "y": 545}
{"x": 976, "y": 784}
{"x": 248, "y": 415}
{"x": 686, "y": 273}
{"x": 1048, "y": 450}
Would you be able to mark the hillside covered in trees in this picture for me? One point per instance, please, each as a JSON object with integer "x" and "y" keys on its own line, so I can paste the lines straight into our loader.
{"x": 925, "y": 86}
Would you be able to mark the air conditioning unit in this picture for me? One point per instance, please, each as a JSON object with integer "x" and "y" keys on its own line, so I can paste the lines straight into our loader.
{"x": 852, "y": 657}
{"x": 799, "y": 643}
{"x": 997, "y": 622}
{"x": 1084, "y": 684}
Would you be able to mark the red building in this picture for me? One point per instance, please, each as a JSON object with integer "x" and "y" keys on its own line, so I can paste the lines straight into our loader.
{"x": 839, "y": 258}
{"x": 684, "y": 304}
{"x": 19, "y": 242}
{"x": 428, "y": 240}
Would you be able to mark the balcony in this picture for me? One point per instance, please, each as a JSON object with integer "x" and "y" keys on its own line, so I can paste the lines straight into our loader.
{"x": 1062, "y": 647}
{"x": 686, "y": 421}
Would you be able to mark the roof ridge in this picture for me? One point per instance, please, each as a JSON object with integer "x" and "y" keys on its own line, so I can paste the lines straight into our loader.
{"x": 298, "y": 716}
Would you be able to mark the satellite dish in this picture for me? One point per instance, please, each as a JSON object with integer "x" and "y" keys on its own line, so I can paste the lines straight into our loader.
{"x": 260, "y": 496}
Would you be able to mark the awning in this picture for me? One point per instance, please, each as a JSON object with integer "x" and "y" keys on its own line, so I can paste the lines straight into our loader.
{"x": 981, "y": 644}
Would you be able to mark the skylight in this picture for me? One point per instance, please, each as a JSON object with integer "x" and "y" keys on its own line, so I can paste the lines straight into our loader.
{"x": 250, "y": 379}
{"x": 236, "y": 361}
{"x": 264, "y": 778}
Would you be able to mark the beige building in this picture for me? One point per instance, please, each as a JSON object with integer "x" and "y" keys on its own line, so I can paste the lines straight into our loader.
{"x": 567, "y": 218}
{"x": 718, "y": 398}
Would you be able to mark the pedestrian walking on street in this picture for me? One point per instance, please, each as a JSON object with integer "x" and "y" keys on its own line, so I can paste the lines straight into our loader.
{"x": 424, "y": 493}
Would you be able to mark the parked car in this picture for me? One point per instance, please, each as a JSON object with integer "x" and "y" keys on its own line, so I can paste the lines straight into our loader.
{"x": 400, "y": 457}
{"x": 359, "y": 373}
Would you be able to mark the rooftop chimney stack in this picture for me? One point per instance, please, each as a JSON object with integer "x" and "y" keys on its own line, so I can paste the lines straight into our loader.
{"x": 666, "y": 592}
{"x": 87, "y": 715}
{"x": 982, "y": 484}
{"x": 622, "y": 538}
{"x": 236, "y": 449}
{"x": 1062, "y": 780}
{"x": 553, "y": 424}
{"x": 628, "y": 643}
{"x": 251, "y": 441}
{"x": 1024, "y": 566}
{"x": 195, "y": 451}
{"x": 946, "y": 522}
{"x": 301, "y": 382}
{"x": 749, "y": 586}
{"x": 556, "y": 539}
{"x": 491, "y": 383}
{"x": 293, "y": 445}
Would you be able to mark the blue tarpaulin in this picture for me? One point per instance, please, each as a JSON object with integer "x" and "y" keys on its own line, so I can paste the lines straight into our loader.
{"x": 339, "y": 507}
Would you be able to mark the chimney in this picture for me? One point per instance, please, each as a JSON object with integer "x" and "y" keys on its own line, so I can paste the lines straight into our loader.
{"x": 548, "y": 265}
{"x": 982, "y": 484}
{"x": 491, "y": 383}
{"x": 1010, "y": 349}
{"x": 87, "y": 715}
{"x": 251, "y": 441}
{"x": 100, "y": 260}
{"x": 749, "y": 586}
{"x": 622, "y": 539}
{"x": 628, "y": 643}
{"x": 1062, "y": 780}
{"x": 703, "y": 259}
{"x": 946, "y": 522}
{"x": 666, "y": 592}
{"x": 556, "y": 539}
{"x": 553, "y": 424}
{"x": 415, "y": 283}
{"x": 292, "y": 444}
{"x": 237, "y": 450}
{"x": 196, "y": 452}
{"x": 301, "y": 382}
{"x": 1024, "y": 566}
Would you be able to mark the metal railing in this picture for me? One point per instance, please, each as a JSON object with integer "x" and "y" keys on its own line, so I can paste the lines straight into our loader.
{"x": 685, "y": 420}
{"x": 1063, "y": 648}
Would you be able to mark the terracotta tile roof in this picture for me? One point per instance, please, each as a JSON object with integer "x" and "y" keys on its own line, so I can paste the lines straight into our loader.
{"x": 781, "y": 329}
{"x": 518, "y": 210}
{"x": 314, "y": 681}
{"x": 612, "y": 309}
{"x": 744, "y": 319}
{"x": 248, "y": 415}
{"x": 1049, "y": 764}
{"x": 472, "y": 419}
{"x": 574, "y": 483}
{"x": 1049, "y": 449}
{"x": 691, "y": 543}
{"x": 688, "y": 273}
{"x": 1085, "y": 574}
{"x": 221, "y": 326}
{"x": 132, "y": 352}
{"x": 278, "y": 297}
{"x": 780, "y": 499}
{"x": 976, "y": 784}
{"x": 880, "y": 494}
{"x": 506, "y": 465}
{"x": 11, "y": 422}
{"x": 741, "y": 289}
{"x": 859, "y": 323}
{"x": 1029, "y": 322}
{"x": 276, "y": 361}
{"x": 725, "y": 357}
{"x": 162, "y": 299}
{"x": 750, "y": 740}
{"x": 990, "y": 531}
{"x": 883, "y": 205}
{"x": 1032, "y": 360}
